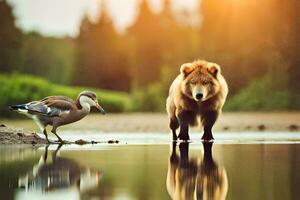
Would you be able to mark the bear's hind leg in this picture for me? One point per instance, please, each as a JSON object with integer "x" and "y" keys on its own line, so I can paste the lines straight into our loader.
{"x": 208, "y": 120}
{"x": 173, "y": 126}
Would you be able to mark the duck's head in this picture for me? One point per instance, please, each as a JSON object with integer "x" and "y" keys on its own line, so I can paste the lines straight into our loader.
{"x": 90, "y": 98}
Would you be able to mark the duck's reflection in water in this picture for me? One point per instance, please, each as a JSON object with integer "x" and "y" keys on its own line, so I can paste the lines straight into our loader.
{"x": 195, "y": 178}
{"x": 57, "y": 177}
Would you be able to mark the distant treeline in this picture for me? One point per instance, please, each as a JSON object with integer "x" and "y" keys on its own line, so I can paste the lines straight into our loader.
{"x": 257, "y": 43}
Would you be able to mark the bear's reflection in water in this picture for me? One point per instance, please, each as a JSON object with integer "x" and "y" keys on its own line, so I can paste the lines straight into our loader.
{"x": 195, "y": 178}
{"x": 56, "y": 177}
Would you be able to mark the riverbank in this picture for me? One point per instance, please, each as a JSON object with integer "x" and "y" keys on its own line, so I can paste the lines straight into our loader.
{"x": 19, "y": 136}
{"x": 151, "y": 123}
{"x": 158, "y": 122}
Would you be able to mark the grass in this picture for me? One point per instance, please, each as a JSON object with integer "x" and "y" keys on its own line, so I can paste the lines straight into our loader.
{"x": 17, "y": 88}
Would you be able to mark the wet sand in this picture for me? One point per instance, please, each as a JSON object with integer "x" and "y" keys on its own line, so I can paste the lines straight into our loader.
{"x": 22, "y": 131}
{"x": 158, "y": 122}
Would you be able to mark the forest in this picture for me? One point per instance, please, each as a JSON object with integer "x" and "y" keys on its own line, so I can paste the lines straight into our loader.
{"x": 257, "y": 44}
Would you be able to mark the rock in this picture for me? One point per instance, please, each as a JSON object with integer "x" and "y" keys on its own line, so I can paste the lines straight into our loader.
{"x": 261, "y": 127}
{"x": 20, "y": 134}
{"x": 113, "y": 142}
{"x": 293, "y": 127}
{"x": 226, "y": 128}
{"x": 81, "y": 142}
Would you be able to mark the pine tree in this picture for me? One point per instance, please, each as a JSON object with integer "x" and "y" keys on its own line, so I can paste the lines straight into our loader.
{"x": 101, "y": 62}
{"x": 145, "y": 38}
{"x": 10, "y": 40}
{"x": 240, "y": 35}
{"x": 290, "y": 47}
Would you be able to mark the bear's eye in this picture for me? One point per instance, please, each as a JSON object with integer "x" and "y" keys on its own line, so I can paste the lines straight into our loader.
{"x": 205, "y": 82}
{"x": 193, "y": 82}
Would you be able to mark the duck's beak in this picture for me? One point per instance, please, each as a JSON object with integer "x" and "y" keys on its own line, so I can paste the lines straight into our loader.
{"x": 100, "y": 109}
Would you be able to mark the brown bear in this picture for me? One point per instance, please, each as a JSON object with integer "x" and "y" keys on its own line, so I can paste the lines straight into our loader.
{"x": 197, "y": 95}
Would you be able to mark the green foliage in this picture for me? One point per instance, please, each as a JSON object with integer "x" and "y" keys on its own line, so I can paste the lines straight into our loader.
{"x": 16, "y": 89}
{"x": 45, "y": 56}
{"x": 152, "y": 98}
{"x": 149, "y": 99}
{"x": 260, "y": 95}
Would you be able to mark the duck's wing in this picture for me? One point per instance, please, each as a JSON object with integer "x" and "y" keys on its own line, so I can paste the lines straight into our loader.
{"x": 47, "y": 108}
{"x": 63, "y": 98}
{"x": 58, "y": 107}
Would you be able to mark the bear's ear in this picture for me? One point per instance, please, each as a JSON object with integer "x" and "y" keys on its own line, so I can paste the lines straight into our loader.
{"x": 186, "y": 69}
{"x": 214, "y": 69}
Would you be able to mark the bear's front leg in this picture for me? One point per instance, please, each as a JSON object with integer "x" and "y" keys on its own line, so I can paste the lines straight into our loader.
{"x": 208, "y": 119}
{"x": 173, "y": 126}
{"x": 183, "y": 119}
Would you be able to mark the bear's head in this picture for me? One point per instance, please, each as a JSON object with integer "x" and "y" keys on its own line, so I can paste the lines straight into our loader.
{"x": 200, "y": 80}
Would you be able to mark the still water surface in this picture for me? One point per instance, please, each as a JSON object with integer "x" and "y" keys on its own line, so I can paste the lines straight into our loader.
{"x": 261, "y": 169}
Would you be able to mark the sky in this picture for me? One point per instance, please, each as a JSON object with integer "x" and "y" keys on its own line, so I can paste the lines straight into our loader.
{"x": 62, "y": 17}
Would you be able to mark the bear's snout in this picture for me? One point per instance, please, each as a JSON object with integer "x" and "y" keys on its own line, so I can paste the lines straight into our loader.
{"x": 199, "y": 96}
{"x": 198, "y": 93}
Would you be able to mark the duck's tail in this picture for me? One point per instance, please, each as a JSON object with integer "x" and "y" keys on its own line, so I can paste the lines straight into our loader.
{"x": 20, "y": 108}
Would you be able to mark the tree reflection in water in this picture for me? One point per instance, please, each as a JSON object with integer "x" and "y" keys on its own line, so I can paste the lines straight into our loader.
{"x": 195, "y": 178}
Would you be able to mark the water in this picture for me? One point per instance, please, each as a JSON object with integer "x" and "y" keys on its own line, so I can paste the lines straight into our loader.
{"x": 147, "y": 166}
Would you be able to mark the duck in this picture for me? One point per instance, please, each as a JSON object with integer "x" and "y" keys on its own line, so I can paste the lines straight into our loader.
{"x": 57, "y": 111}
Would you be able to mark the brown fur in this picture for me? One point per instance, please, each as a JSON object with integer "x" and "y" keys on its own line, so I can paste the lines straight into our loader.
{"x": 195, "y": 178}
{"x": 185, "y": 109}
